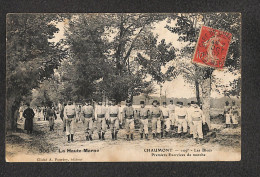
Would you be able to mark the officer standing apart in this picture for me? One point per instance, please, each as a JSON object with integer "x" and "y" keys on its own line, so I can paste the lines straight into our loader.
{"x": 197, "y": 119}
{"x": 100, "y": 116}
{"x": 171, "y": 107}
{"x": 28, "y": 114}
{"x": 113, "y": 112}
{"x": 166, "y": 121}
{"x": 227, "y": 114}
{"x": 88, "y": 117}
{"x": 143, "y": 115}
{"x": 181, "y": 115}
{"x": 156, "y": 115}
{"x": 69, "y": 115}
{"x": 128, "y": 114}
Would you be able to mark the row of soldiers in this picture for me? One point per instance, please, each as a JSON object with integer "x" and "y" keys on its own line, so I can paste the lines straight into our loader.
{"x": 163, "y": 119}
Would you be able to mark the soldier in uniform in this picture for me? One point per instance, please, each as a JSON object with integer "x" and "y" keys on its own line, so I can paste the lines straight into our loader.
{"x": 198, "y": 118}
{"x": 100, "y": 116}
{"x": 227, "y": 114}
{"x": 128, "y": 114}
{"x": 156, "y": 115}
{"x": 171, "y": 107}
{"x": 143, "y": 115}
{"x": 113, "y": 112}
{"x": 120, "y": 115}
{"x": 234, "y": 114}
{"x": 181, "y": 116}
{"x": 28, "y": 114}
{"x": 51, "y": 115}
{"x": 189, "y": 112}
{"x": 70, "y": 115}
{"x": 166, "y": 121}
{"x": 87, "y": 112}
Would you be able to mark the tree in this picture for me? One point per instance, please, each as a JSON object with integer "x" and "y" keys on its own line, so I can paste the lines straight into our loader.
{"x": 103, "y": 50}
{"x": 31, "y": 58}
{"x": 188, "y": 27}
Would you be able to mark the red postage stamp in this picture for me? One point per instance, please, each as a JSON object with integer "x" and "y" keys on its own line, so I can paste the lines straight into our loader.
{"x": 212, "y": 47}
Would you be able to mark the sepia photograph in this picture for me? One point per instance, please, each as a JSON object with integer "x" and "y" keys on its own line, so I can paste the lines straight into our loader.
{"x": 123, "y": 87}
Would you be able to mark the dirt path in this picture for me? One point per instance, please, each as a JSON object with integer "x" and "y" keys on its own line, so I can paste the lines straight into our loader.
{"x": 44, "y": 141}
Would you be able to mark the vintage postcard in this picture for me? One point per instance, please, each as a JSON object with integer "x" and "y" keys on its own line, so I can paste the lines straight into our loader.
{"x": 123, "y": 87}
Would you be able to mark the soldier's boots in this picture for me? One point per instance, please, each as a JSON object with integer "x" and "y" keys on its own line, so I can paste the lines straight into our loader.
{"x": 87, "y": 138}
{"x": 50, "y": 128}
{"x": 103, "y": 135}
{"x": 64, "y": 129}
{"x": 161, "y": 134}
{"x": 179, "y": 135}
{"x": 146, "y": 136}
{"x": 90, "y": 138}
{"x": 153, "y": 135}
{"x": 99, "y": 136}
{"x": 127, "y": 138}
{"x": 158, "y": 135}
{"x": 68, "y": 138}
{"x": 200, "y": 140}
{"x": 142, "y": 135}
{"x": 166, "y": 134}
{"x": 116, "y": 135}
{"x": 113, "y": 136}
{"x": 235, "y": 125}
{"x": 72, "y": 138}
{"x": 132, "y": 137}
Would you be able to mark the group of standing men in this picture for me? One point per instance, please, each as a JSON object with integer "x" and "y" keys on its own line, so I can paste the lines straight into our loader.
{"x": 163, "y": 119}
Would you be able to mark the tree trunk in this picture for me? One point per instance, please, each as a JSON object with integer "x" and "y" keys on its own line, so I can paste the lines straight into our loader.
{"x": 206, "y": 90}
{"x": 197, "y": 91}
{"x": 11, "y": 106}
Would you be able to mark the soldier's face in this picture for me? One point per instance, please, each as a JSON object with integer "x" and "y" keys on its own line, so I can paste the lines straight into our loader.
{"x": 154, "y": 104}
{"x": 100, "y": 103}
{"x": 142, "y": 105}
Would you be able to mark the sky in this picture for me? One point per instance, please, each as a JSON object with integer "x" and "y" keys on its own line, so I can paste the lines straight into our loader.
{"x": 176, "y": 88}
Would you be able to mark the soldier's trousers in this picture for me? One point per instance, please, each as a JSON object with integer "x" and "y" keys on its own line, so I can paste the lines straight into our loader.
{"x": 228, "y": 118}
{"x": 172, "y": 117}
{"x": 114, "y": 123}
{"x": 234, "y": 119}
{"x": 144, "y": 126}
{"x": 51, "y": 121}
{"x": 182, "y": 124}
{"x": 129, "y": 126}
{"x": 167, "y": 122}
{"x": 101, "y": 124}
{"x": 197, "y": 129}
{"x": 70, "y": 126}
{"x": 88, "y": 122}
{"x": 191, "y": 127}
{"x": 156, "y": 125}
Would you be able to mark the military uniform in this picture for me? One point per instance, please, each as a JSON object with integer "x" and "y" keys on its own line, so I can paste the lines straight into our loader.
{"x": 143, "y": 115}
{"x": 113, "y": 112}
{"x": 100, "y": 116}
{"x": 166, "y": 121}
{"x": 70, "y": 115}
{"x": 181, "y": 116}
{"x": 128, "y": 114}
{"x": 171, "y": 107}
{"x": 156, "y": 114}
{"x": 198, "y": 118}
{"x": 189, "y": 117}
{"x": 51, "y": 115}
{"x": 227, "y": 113}
{"x": 88, "y": 116}
{"x": 234, "y": 115}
